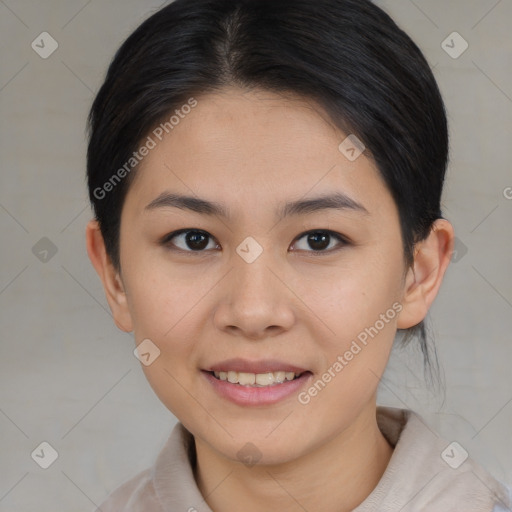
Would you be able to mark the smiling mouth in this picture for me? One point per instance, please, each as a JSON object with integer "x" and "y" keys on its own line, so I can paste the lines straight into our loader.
{"x": 256, "y": 379}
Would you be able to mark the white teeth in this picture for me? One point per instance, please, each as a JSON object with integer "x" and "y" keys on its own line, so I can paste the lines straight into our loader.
{"x": 246, "y": 378}
{"x": 279, "y": 376}
{"x": 265, "y": 379}
{"x": 256, "y": 379}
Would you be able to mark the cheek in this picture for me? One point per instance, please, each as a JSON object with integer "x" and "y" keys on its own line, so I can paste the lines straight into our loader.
{"x": 360, "y": 306}
{"x": 163, "y": 312}
{"x": 354, "y": 294}
{"x": 170, "y": 311}
{"x": 355, "y": 356}
{"x": 159, "y": 298}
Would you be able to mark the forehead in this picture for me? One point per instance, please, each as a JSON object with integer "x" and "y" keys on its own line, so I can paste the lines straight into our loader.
{"x": 253, "y": 149}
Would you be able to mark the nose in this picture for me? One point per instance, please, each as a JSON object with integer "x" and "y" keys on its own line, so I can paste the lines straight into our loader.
{"x": 255, "y": 302}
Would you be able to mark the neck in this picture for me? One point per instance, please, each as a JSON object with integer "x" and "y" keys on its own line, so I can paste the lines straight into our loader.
{"x": 316, "y": 480}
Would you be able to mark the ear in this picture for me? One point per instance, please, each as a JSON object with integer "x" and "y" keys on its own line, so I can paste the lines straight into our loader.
{"x": 110, "y": 277}
{"x": 431, "y": 259}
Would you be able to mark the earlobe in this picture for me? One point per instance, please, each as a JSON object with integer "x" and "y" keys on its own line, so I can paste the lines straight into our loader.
{"x": 110, "y": 277}
{"x": 431, "y": 259}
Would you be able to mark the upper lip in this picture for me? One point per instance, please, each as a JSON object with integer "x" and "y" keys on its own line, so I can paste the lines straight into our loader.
{"x": 261, "y": 366}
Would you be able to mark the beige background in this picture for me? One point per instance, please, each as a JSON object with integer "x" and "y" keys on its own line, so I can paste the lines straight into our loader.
{"x": 69, "y": 377}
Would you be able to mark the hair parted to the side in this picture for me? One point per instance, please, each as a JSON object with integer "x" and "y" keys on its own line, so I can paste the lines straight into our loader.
{"x": 347, "y": 55}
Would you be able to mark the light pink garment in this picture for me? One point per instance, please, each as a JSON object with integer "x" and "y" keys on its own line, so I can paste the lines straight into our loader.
{"x": 417, "y": 479}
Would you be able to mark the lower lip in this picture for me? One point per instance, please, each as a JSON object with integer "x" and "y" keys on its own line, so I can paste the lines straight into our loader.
{"x": 252, "y": 395}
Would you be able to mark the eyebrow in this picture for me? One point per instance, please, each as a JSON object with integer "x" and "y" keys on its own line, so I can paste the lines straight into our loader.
{"x": 337, "y": 201}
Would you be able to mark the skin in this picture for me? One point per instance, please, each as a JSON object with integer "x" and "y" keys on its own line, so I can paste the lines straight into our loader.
{"x": 252, "y": 151}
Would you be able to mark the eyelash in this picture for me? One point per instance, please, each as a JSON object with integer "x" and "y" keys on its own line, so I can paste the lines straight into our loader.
{"x": 166, "y": 241}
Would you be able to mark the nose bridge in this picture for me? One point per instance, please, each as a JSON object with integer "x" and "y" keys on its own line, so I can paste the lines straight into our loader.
{"x": 252, "y": 275}
{"x": 256, "y": 299}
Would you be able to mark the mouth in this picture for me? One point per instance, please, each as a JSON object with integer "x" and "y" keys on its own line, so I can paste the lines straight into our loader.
{"x": 256, "y": 389}
{"x": 257, "y": 380}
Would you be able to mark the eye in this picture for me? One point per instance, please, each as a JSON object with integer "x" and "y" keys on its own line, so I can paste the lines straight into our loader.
{"x": 195, "y": 240}
{"x": 192, "y": 240}
{"x": 321, "y": 240}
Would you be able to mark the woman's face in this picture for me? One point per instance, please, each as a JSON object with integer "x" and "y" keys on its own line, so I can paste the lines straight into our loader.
{"x": 267, "y": 284}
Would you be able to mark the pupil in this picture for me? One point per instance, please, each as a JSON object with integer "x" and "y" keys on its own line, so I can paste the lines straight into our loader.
{"x": 196, "y": 240}
{"x": 318, "y": 241}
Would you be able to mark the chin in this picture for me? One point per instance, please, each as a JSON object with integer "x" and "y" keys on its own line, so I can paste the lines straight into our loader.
{"x": 259, "y": 451}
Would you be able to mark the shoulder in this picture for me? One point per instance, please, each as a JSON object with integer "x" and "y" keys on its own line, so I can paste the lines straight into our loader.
{"x": 429, "y": 473}
{"x": 168, "y": 484}
{"x": 473, "y": 486}
{"x": 135, "y": 495}
{"x": 504, "y": 504}
{"x": 457, "y": 478}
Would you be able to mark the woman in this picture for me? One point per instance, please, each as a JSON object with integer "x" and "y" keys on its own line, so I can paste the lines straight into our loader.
{"x": 266, "y": 180}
